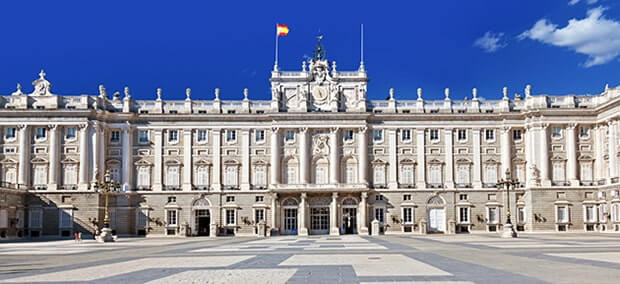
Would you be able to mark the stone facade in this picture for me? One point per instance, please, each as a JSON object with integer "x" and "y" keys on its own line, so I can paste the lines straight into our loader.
{"x": 318, "y": 158}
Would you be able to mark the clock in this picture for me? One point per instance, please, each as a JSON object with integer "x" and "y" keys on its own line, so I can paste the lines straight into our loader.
{"x": 319, "y": 93}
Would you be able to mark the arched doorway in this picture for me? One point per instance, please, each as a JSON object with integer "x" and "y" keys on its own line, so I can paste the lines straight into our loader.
{"x": 289, "y": 216}
{"x": 436, "y": 215}
{"x": 319, "y": 215}
{"x": 349, "y": 216}
{"x": 201, "y": 212}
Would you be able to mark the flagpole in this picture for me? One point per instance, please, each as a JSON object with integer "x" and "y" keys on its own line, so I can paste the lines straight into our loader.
{"x": 275, "y": 66}
{"x": 362, "y": 47}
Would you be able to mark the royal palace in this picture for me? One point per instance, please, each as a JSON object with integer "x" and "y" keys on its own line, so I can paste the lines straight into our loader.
{"x": 317, "y": 158}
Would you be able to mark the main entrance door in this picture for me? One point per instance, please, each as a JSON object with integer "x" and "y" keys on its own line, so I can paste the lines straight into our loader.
{"x": 349, "y": 220}
{"x": 437, "y": 220}
{"x": 319, "y": 220}
{"x": 290, "y": 221}
{"x": 203, "y": 222}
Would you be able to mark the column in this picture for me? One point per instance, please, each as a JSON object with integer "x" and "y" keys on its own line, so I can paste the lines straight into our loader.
{"x": 571, "y": 155}
{"x": 334, "y": 161}
{"x": 245, "y": 159}
{"x": 303, "y": 229}
{"x": 53, "y": 155}
{"x": 612, "y": 148}
{"x": 333, "y": 215}
{"x": 599, "y": 170}
{"x": 83, "y": 181}
{"x": 157, "y": 159}
{"x": 544, "y": 155}
{"x": 102, "y": 150}
{"x": 393, "y": 162}
{"x": 530, "y": 163}
{"x": 421, "y": 152}
{"x": 94, "y": 152}
{"x": 275, "y": 156}
{"x": 362, "y": 148}
{"x": 217, "y": 160}
{"x": 303, "y": 156}
{"x": 127, "y": 166}
{"x": 476, "y": 176}
{"x": 449, "y": 158}
{"x": 506, "y": 158}
{"x": 24, "y": 156}
{"x": 362, "y": 224}
{"x": 187, "y": 159}
{"x": 274, "y": 214}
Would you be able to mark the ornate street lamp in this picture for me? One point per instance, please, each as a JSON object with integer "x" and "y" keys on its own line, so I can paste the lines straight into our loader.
{"x": 108, "y": 185}
{"x": 509, "y": 231}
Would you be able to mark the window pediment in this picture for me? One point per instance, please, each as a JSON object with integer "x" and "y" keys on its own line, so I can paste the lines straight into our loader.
{"x": 231, "y": 163}
{"x": 202, "y": 163}
{"x": 143, "y": 163}
{"x": 585, "y": 158}
{"x": 491, "y": 162}
{"x": 8, "y": 161}
{"x": 69, "y": 160}
{"x": 407, "y": 162}
{"x": 435, "y": 162}
{"x": 260, "y": 163}
{"x": 112, "y": 162}
{"x": 518, "y": 161}
{"x": 379, "y": 162}
{"x": 463, "y": 162}
{"x": 173, "y": 163}
{"x": 558, "y": 159}
{"x": 38, "y": 160}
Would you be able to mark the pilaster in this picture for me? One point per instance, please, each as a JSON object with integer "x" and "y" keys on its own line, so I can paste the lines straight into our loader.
{"x": 275, "y": 156}
{"x": 544, "y": 154}
{"x": 217, "y": 159}
{"x": 127, "y": 166}
{"x": 245, "y": 159}
{"x": 187, "y": 159}
{"x": 612, "y": 149}
{"x": 54, "y": 155}
{"x": 571, "y": 155}
{"x": 157, "y": 161}
{"x": 303, "y": 229}
{"x": 362, "y": 148}
{"x": 476, "y": 177}
{"x": 83, "y": 169}
{"x": 303, "y": 156}
{"x": 421, "y": 152}
{"x": 506, "y": 157}
{"x": 449, "y": 157}
{"x": 393, "y": 162}
{"x": 334, "y": 161}
{"x": 333, "y": 215}
{"x": 24, "y": 156}
{"x": 363, "y": 211}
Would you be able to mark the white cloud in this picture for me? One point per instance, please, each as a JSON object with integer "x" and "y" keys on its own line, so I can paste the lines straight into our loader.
{"x": 490, "y": 42}
{"x": 595, "y": 36}
{"x": 573, "y": 2}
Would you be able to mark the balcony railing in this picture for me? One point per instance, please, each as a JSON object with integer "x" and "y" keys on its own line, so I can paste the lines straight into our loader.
{"x": 435, "y": 185}
{"x": 39, "y": 187}
{"x": 143, "y": 187}
{"x": 200, "y": 187}
{"x": 5, "y": 184}
{"x": 379, "y": 185}
{"x": 69, "y": 187}
{"x": 407, "y": 185}
{"x": 559, "y": 183}
{"x": 489, "y": 185}
{"x": 172, "y": 188}
{"x": 463, "y": 185}
{"x": 231, "y": 187}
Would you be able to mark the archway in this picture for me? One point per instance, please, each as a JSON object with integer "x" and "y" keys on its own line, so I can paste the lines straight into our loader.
{"x": 289, "y": 216}
{"x": 436, "y": 214}
{"x": 201, "y": 213}
{"x": 349, "y": 216}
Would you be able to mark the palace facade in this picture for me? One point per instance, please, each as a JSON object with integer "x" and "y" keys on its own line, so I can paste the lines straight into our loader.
{"x": 318, "y": 158}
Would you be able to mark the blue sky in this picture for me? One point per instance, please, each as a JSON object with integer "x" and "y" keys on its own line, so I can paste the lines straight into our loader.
{"x": 230, "y": 45}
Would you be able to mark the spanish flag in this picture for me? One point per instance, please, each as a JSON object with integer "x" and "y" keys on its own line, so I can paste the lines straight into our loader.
{"x": 281, "y": 30}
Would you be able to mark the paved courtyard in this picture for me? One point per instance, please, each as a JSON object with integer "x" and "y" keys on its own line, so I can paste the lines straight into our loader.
{"x": 532, "y": 258}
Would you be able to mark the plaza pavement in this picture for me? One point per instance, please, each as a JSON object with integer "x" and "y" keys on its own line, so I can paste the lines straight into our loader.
{"x": 476, "y": 258}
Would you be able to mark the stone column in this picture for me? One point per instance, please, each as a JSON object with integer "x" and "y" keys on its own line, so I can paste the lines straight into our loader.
{"x": 304, "y": 162}
{"x": 477, "y": 181}
{"x": 334, "y": 161}
{"x": 449, "y": 158}
{"x": 274, "y": 214}
{"x": 362, "y": 148}
{"x": 83, "y": 174}
{"x": 303, "y": 229}
{"x": 275, "y": 156}
{"x": 157, "y": 160}
{"x": 612, "y": 148}
{"x": 599, "y": 169}
{"x": 421, "y": 153}
{"x": 571, "y": 155}
{"x": 505, "y": 148}
{"x": 544, "y": 155}
{"x": 217, "y": 160}
{"x": 530, "y": 163}
{"x": 393, "y": 160}
{"x": 54, "y": 155}
{"x": 127, "y": 183}
{"x": 102, "y": 150}
{"x": 333, "y": 215}
{"x": 363, "y": 211}
{"x": 245, "y": 159}
{"x": 23, "y": 177}
{"x": 95, "y": 152}
{"x": 187, "y": 160}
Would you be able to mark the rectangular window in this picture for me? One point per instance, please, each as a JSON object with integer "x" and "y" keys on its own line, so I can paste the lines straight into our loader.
{"x": 143, "y": 136}
{"x": 407, "y": 197}
{"x": 380, "y": 215}
{"x": 201, "y": 136}
{"x": 143, "y": 218}
{"x": 259, "y": 135}
{"x": 434, "y": 134}
{"x": 230, "y": 217}
{"x": 173, "y": 136}
{"x": 462, "y": 174}
{"x": 405, "y": 135}
{"x": 172, "y": 176}
{"x": 584, "y": 132}
{"x": 517, "y": 134}
{"x": 556, "y": 132}
{"x": 289, "y": 136}
{"x": 172, "y": 199}
{"x": 41, "y": 133}
{"x": 35, "y": 218}
{"x": 11, "y": 133}
{"x": 493, "y": 215}
{"x": 230, "y": 199}
{"x": 378, "y": 197}
{"x": 40, "y": 175}
{"x": 462, "y": 196}
{"x": 462, "y": 134}
{"x": 349, "y": 174}
{"x": 562, "y": 215}
{"x": 202, "y": 176}
{"x": 406, "y": 175}
{"x": 70, "y": 177}
{"x": 408, "y": 215}
{"x": 66, "y": 218}
{"x": 377, "y": 135}
{"x": 230, "y": 176}
{"x": 144, "y": 177}
{"x": 259, "y": 198}
{"x": 590, "y": 215}
{"x": 71, "y": 133}
{"x": 260, "y": 176}
{"x": 348, "y": 135}
{"x": 489, "y": 134}
{"x": 379, "y": 175}
{"x": 172, "y": 218}
{"x": 115, "y": 136}
{"x": 435, "y": 175}
{"x": 259, "y": 215}
{"x": 463, "y": 215}
{"x": 291, "y": 175}
{"x": 558, "y": 172}
{"x": 520, "y": 215}
{"x": 231, "y": 135}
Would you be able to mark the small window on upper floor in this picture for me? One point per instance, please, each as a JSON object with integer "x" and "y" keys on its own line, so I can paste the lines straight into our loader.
{"x": 260, "y": 111}
{"x": 406, "y": 111}
{"x": 202, "y": 111}
{"x": 434, "y": 111}
{"x": 230, "y": 199}
{"x": 489, "y": 134}
{"x": 231, "y": 135}
{"x": 231, "y": 111}
{"x": 517, "y": 134}
{"x": 11, "y": 133}
{"x": 405, "y": 135}
{"x": 173, "y": 136}
{"x": 377, "y": 135}
{"x": 289, "y": 136}
{"x": 259, "y": 136}
{"x": 259, "y": 198}
{"x": 434, "y": 134}
{"x": 556, "y": 132}
{"x": 489, "y": 111}
{"x": 584, "y": 132}
{"x": 348, "y": 135}
{"x": 41, "y": 133}
{"x": 172, "y": 199}
{"x": 462, "y": 196}
{"x": 173, "y": 111}
{"x": 461, "y": 134}
{"x": 201, "y": 136}
{"x": 407, "y": 197}
{"x": 70, "y": 133}
{"x": 461, "y": 111}
{"x": 115, "y": 136}
{"x": 378, "y": 197}
{"x": 143, "y": 136}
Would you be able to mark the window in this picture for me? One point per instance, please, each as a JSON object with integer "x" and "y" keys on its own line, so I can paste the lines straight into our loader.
{"x": 144, "y": 177}
{"x": 464, "y": 215}
{"x": 259, "y": 215}
{"x": 115, "y": 173}
{"x": 348, "y": 135}
{"x": 173, "y": 111}
{"x": 379, "y": 175}
{"x": 230, "y": 199}
{"x": 70, "y": 176}
{"x": 40, "y": 133}
{"x": 71, "y": 133}
{"x": 259, "y": 198}
{"x": 4, "y": 219}
{"x": 462, "y": 196}
{"x": 517, "y": 134}
{"x": 230, "y": 177}
{"x": 231, "y": 111}
{"x": 66, "y": 218}
{"x": 349, "y": 174}
{"x": 9, "y": 150}
{"x": 489, "y": 134}
{"x": 378, "y": 197}
{"x": 35, "y": 218}
{"x": 230, "y": 217}
{"x": 320, "y": 174}
{"x": 462, "y": 174}
{"x": 202, "y": 176}
{"x": 461, "y": 135}
{"x": 172, "y": 218}
{"x": 493, "y": 215}
{"x": 201, "y": 136}
{"x": 231, "y": 135}
{"x": 405, "y": 135}
{"x": 490, "y": 174}
{"x": 408, "y": 215}
{"x": 556, "y": 132}
{"x": 615, "y": 213}
{"x": 434, "y": 134}
{"x": 406, "y": 175}
{"x": 590, "y": 213}
{"x": 520, "y": 173}
{"x": 558, "y": 172}
{"x": 10, "y": 175}
{"x": 40, "y": 175}
{"x": 520, "y": 215}
{"x": 584, "y": 132}
{"x": 380, "y": 215}
{"x": 461, "y": 111}
{"x": 562, "y": 214}
{"x": 115, "y": 136}
{"x": 143, "y": 136}
{"x": 172, "y": 199}
{"x": 173, "y": 136}
{"x": 289, "y": 136}
{"x": 586, "y": 171}
{"x": 142, "y": 219}
{"x": 291, "y": 175}
{"x": 435, "y": 174}
{"x": 407, "y": 197}
{"x": 10, "y": 133}
{"x": 259, "y": 135}
{"x": 172, "y": 176}
{"x": 377, "y": 135}
{"x": 260, "y": 175}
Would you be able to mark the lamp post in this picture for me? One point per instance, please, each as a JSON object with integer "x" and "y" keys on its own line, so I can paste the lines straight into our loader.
{"x": 509, "y": 231}
{"x": 108, "y": 185}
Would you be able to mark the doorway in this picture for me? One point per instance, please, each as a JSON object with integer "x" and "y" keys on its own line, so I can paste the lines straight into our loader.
{"x": 290, "y": 221}
{"x": 319, "y": 220}
{"x": 203, "y": 222}
{"x": 349, "y": 220}
{"x": 437, "y": 220}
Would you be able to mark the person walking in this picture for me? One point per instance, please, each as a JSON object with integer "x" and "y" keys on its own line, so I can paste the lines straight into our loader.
{"x": 80, "y": 237}
{"x": 76, "y": 237}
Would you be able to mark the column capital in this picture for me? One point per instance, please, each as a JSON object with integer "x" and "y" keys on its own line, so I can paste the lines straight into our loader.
{"x": 274, "y": 196}
{"x": 52, "y": 127}
{"x": 334, "y": 130}
{"x": 304, "y": 195}
{"x": 611, "y": 122}
{"x": 364, "y": 195}
{"x": 21, "y": 126}
{"x": 506, "y": 128}
{"x": 303, "y": 130}
{"x": 334, "y": 195}
{"x": 275, "y": 129}
{"x": 83, "y": 126}
{"x": 571, "y": 126}
{"x": 363, "y": 129}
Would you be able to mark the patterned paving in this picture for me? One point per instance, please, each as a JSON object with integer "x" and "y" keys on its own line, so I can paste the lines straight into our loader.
{"x": 341, "y": 243}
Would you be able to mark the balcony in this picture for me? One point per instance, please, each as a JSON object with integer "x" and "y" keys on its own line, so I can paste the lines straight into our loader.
{"x": 463, "y": 185}
{"x": 69, "y": 187}
{"x": 231, "y": 187}
{"x": 39, "y": 186}
{"x": 259, "y": 186}
{"x": 489, "y": 185}
{"x": 11, "y": 185}
{"x": 587, "y": 182}
{"x": 601, "y": 182}
{"x": 559, "y": 183}
{"x": 143, "y": 187}
{"x": 200, "y": 187}
{"x": 380, "y": 185}
{"x": 435, "y": 185}
{"x": 615, "y": 179}
{"x": 172, "y": 188}
{"x": 407, "y": 185}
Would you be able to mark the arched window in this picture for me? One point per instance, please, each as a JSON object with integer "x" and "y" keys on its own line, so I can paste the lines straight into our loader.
{"x": 321, "y": 169}
{"x": 290, "y": 171}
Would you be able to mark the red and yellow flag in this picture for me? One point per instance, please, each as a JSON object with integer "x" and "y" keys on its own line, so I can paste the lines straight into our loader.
{"x": 281, "y": 30}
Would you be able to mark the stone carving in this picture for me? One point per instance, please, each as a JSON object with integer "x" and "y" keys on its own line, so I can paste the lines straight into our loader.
{"x": 535, "y": 174}
{"x": 320, "y": 144}
{"x": 528, "y": 90}
{"x": 188, "y": 93}
{"x": 42, "y": 87}
{"x": 127, "y": 94}
{"x": 102, "y": 92}
{"x": 18, "y": 90}
{"x": 159, "y": 92}
{"x": 202, "y": 202}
